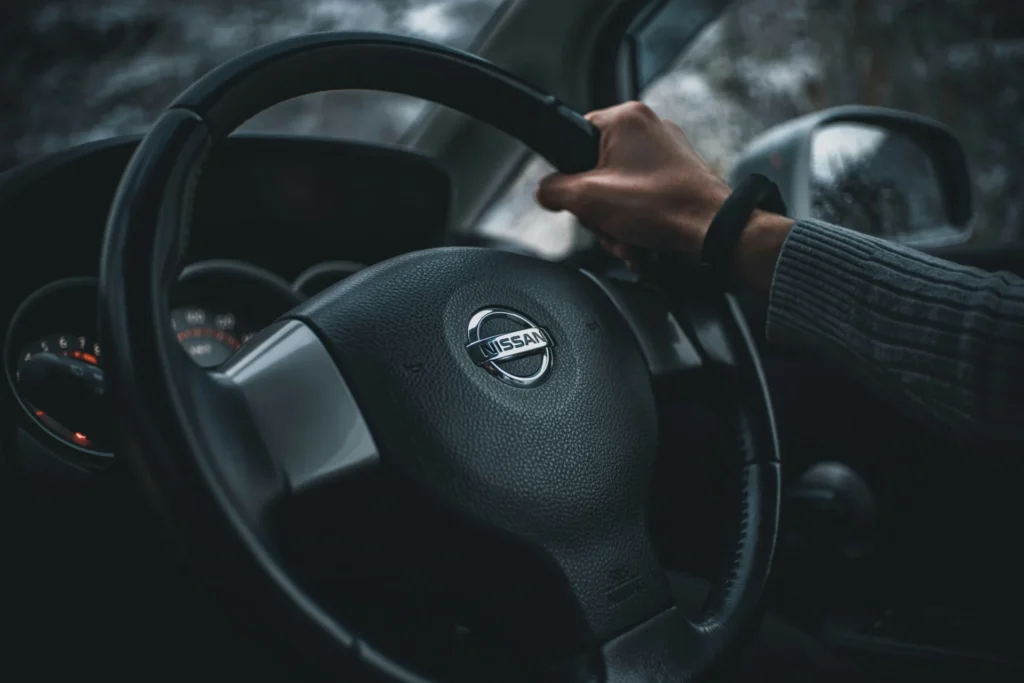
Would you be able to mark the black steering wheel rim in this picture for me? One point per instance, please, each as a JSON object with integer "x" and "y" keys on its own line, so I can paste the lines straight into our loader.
{"x": 166, "y": 403}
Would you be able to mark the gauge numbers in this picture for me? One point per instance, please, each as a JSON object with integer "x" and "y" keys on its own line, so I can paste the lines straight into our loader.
{"x": 209, "y": 335}
{"x": 75, "y": 346}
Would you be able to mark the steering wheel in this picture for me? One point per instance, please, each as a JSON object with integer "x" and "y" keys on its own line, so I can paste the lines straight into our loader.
{"x": 472, "y": 428}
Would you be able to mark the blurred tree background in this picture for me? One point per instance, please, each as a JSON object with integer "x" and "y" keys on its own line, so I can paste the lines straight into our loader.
{"x": 77, "y": 70}
{"x": 73, "y": 71}
{"x": 960, "y": 62}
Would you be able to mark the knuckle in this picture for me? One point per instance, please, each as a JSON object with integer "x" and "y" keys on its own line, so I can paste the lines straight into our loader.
{"x": 549, "y": 192}
{"x": 585, "y": 189}
{"x": 638, "y": 112}
{"x": 563, "y": 193}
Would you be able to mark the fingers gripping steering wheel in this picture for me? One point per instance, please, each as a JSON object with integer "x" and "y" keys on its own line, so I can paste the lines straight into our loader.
{"x": 511, "y": 401}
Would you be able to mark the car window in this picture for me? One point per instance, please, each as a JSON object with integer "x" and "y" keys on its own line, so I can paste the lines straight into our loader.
{"x": 73, "y": 71}
{"x": 516, "y": 217}
{"x": 763, "y": 62}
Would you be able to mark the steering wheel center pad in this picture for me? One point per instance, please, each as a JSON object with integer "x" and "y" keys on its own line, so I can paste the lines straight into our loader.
{"x": 564, "y": 465}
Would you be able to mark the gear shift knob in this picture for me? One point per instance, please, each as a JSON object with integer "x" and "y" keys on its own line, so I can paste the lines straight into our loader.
{"x": 833, "y": 509}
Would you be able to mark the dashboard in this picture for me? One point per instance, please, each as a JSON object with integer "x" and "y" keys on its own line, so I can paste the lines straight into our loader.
{"x": 277, "y": 219}
{"x": 53, "y": 358}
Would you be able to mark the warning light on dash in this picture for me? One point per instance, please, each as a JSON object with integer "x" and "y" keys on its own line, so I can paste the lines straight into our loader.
{"x": 77, "y": 438}
{"x": 87, "y": 357}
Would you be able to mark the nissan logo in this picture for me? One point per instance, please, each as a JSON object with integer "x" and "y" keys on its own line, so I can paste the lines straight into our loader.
{"x": 489, "y": 352}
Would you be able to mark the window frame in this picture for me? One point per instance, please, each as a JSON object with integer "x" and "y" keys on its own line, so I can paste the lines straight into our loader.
{"x": 618, "y": 74}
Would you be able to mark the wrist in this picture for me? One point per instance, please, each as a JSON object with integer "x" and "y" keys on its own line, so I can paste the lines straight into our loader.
{"x": 758, "y": 249}
{"x": 691, "y": 226}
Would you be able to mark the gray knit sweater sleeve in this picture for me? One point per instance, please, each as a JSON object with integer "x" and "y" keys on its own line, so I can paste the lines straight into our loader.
{"x": 940, "y": 340}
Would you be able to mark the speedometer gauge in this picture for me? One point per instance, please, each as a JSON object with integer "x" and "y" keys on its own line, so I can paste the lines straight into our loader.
{"x": 219, "y": 305}
{"x": 210, "y": 336}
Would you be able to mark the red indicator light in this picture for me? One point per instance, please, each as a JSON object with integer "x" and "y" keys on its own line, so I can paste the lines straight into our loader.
{"x": 80, "y": 437}
{"x": 87, "y": 357}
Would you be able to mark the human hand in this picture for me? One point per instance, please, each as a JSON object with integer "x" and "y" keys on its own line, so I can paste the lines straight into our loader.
{"x": 650, "y": 189}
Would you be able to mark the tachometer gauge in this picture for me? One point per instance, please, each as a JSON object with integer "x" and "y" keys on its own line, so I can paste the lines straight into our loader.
{"x": 210, "y": 336}
{"x": 59, "y": 390}
{"x": 79, "y": 347}
{"x": 54, "y": 368}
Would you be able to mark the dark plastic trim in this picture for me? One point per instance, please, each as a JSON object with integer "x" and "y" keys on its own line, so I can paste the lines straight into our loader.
{"x": 613, "y": 77}
{"x": 339, "y": 270}
{"x": 196, "y": 274}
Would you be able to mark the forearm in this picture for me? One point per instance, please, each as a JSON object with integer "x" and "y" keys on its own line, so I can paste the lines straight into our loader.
{"x": 944, "y": 341}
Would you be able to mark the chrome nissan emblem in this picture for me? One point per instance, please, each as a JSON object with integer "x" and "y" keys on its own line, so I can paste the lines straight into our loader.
{"x": 490, "y": 352}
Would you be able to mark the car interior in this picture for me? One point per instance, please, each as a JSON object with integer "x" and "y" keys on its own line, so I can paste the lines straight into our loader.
{"x": 892, "y": 552}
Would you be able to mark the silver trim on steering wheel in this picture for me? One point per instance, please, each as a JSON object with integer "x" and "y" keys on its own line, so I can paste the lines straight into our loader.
{"x": 301, "y": 405}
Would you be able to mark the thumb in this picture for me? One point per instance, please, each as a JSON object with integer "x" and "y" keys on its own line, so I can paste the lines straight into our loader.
{"x": 558, "y": 192}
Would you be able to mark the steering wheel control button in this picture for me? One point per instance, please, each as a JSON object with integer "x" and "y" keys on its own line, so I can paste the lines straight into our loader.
{"x": 510, "y": 346}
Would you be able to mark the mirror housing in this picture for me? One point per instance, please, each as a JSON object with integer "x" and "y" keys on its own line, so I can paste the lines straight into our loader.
{"x": 885, "y": 172}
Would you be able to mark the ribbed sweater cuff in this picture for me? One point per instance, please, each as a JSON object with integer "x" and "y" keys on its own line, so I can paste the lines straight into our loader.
{"x": 942, "y": 340}
{"x": 820, "y": 276}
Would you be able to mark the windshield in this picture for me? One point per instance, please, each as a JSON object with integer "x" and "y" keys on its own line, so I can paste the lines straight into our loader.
{"x": 74, "y": 71}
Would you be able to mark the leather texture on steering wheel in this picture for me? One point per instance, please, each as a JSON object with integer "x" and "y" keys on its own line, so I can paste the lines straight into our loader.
{"x": 217, "y": 483}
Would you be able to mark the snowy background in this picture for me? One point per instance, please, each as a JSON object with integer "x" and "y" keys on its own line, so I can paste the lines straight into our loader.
{"x": 78, "y": 70}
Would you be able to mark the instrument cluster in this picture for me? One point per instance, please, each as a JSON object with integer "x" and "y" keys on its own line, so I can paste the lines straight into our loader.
{"x": 53, "y": 356}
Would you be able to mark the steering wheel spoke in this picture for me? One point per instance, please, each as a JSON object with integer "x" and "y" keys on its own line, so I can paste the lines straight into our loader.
{"x": 670, "y": 351}
{"x": 667, "y": 647}
{"x": 672, "y": 647}
{"x": 695, "y": 340}
{"x": 301, "y": 408}
{"x": 276, "y": 421}
{"x": 699, "y": 346}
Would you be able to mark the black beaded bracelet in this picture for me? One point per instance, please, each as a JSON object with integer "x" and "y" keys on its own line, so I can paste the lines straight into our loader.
{"x": 753, "y": 193}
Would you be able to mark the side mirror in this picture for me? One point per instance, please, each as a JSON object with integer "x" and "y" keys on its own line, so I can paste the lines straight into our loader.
{"x": 883, "y": 172}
